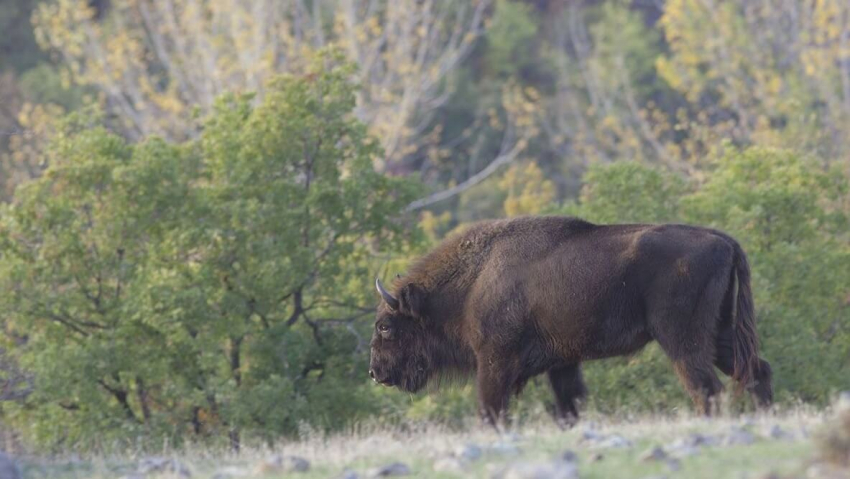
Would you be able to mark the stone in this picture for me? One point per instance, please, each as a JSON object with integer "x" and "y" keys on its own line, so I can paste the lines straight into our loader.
{"x": 778, "y": 433}
{"x": 591, "y": 435}
{"x": 348, "y": 474}
{"x": 230, "y": 472}
{"x": 394, "y": 469}
{"x": 739, "y": 437}
{"x": 684, "y": 451}
{"x": 8, "y": 467}
{"x": 654, "y": 454}
{"x": 615, "y": 441}
{"x": 699, "y": 440}
{"x": 469, "y": 452}
{"x": 673, "y": 464}
{"x": 162, "y": 465}
{"x": 568, "y": 456}
{"x": 503, "y": 449}
{"x": 596, "y": 457}
{"x": 530, "y": 470}
{"x": 280, "y": 463}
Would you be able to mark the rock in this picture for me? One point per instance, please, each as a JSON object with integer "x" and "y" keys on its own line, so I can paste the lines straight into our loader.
{"x": 654, "y": 454}
{"x": 591, "y": 435}
{"x": 596, "y": 457}
{"x": 503, "y": 449}
{"x": 276, "y": 464}
{"x": 348, "y": 474}
{"x": 684, "y": 451}
{"x": 568, "y": 456}
{"x": 394, "y": 469}
{"x": 693, "y": 441}
{"x": 529, "y": 470}
{"x": 739, "y": 437}
{"x": 230, "y": 473}
{"x": 673, "y": 464}
{"x": 777, "y": 432}
{"x": 448, "y": 464}
{"x": 8, "y": 467}
{"x": 469, "y": 452}
{"x": 161, "y": 465}
{"x": 615, "y": 441}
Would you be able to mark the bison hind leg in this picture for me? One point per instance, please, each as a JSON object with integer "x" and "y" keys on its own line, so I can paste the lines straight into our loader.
{"x": 570, "y": 391}
{"x": 761, "y": 388}
{"x": 701, "y": 382}
{"x": 686, "y": 326}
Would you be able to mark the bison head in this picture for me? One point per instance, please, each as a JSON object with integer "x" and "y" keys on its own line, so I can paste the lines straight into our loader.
{"x": 399, "y": 356}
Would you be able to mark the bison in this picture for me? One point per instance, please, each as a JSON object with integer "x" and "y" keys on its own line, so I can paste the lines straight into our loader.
{"x": 507, "y": 300}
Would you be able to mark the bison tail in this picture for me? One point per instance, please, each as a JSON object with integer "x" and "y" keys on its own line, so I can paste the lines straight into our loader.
{"x": 745, "y": 339}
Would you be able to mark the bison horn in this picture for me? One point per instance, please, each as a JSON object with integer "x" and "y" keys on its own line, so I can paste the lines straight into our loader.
{"x": 390, "y": 300}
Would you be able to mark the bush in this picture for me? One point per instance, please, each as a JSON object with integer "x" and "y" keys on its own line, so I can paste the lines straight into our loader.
{"x": 785, "y": 211}
{"x": 206, "y": 290}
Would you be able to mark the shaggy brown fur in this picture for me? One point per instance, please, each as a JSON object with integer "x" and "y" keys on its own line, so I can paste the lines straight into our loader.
{"x": 510, "y": 299}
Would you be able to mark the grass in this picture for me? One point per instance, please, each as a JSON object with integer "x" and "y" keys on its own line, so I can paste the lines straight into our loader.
{"x": 536, "y": 442}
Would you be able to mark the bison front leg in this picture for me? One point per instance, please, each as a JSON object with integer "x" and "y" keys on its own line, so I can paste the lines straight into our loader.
{"x": 495, "y": 379}
{"x": 569, "y": 390}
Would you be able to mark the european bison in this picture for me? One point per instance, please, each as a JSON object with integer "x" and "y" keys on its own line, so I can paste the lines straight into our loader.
{"x": 511, "y": 299}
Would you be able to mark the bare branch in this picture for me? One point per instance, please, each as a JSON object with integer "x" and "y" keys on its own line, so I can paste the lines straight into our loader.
{"x": 499, "y": 161}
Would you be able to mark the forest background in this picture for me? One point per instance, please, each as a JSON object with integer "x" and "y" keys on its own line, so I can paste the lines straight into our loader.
{"x": 198, "y": 194}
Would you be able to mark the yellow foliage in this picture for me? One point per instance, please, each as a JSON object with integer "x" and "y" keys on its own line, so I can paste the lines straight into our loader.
{"x": 433, "y": 225}
{"x": 528, "y": 192}
{"x": 200, "y": 49}
{"x": 728, "y": 50}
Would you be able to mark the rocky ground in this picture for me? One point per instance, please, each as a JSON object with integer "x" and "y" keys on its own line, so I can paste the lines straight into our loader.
{"x": 785, "y": 445}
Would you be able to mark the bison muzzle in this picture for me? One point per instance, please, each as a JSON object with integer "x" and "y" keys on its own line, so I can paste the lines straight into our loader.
{"x": 507, "y": 300}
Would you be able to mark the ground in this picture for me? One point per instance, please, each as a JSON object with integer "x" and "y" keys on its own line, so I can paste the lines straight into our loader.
{"x": 748, "y": 446}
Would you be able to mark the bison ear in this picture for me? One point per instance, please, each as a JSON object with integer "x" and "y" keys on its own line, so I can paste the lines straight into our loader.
{"x": 412, "y": 300}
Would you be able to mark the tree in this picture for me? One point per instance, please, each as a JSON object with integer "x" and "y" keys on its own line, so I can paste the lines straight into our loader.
{"x": 772, "y": 72}
{"x": 787, "y": 215}
{"x": 158, "y": 60}
{"x": 192, "y": 289}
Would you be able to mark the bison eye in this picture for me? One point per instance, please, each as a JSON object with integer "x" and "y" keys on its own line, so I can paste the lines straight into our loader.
{"x": 383, "y": 328}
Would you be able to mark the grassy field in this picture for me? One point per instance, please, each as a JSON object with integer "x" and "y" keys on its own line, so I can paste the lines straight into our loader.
{"x": 781, "y": 444}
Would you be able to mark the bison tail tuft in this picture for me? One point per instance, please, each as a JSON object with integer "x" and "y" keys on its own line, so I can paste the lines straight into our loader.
{"x": 745, "y": 339}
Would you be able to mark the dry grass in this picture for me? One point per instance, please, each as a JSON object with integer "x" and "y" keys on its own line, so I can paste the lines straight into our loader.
{"x": 782, "y": 445}
{"x": 834, "y": 439}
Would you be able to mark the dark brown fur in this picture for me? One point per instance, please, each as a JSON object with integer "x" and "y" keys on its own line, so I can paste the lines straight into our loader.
{"x": 510, "y": 299}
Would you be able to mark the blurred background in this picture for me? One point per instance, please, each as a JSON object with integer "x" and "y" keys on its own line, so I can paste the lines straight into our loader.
{"x": 198, "y": 194}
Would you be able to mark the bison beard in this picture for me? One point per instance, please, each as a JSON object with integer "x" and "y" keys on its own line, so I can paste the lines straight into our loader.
{"x": 510, "y": 299}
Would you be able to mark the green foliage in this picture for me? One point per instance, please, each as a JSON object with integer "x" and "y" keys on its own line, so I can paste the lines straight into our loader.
{"x": 786, "y": 213}
{"x": 222, "y": 285}
{"x": 510, "y": 37}
{"x": 205, "y": 288}
{"x": 17, "y": 44}
{"x": 628, "y": 192}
